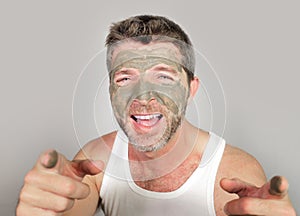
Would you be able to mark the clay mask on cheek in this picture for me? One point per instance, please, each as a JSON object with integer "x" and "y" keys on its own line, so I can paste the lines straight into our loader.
{"x": 148, "y": 101}
{"x": 168, "y": 103}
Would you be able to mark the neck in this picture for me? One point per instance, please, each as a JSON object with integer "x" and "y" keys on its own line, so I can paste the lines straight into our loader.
{"x": 179, "y": 148}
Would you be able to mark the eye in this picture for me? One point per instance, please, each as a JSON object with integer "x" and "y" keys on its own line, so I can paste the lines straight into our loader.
{"x": 122, "y": 80}
{"x": 125, "y": 76}
{"x": 163, "y": 76}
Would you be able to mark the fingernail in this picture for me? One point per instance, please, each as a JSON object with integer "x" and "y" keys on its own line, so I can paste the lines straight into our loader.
{"x": 275, "y": 185}
{"x": 50, "y": 160}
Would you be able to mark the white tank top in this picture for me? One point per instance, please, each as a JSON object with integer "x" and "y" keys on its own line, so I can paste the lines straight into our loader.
{"x": 121, "y": 196}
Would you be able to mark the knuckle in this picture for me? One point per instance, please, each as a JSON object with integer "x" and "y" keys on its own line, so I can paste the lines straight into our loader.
{"x": 70, "y": 188}
{"x": 30, "y": 176}
{"x": 85, "y": 190}
{"x": 64, "y": 204}
{"x": 22, "y": 210}
{"x": 23, "y": 197}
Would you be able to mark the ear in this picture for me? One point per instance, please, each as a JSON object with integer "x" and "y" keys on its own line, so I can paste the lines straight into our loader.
{"x": 194, "y": 85}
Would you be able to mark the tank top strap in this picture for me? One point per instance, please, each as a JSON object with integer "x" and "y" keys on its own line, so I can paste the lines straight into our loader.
{"x": 120, "y": 147}
{"x": 214, "y": 143}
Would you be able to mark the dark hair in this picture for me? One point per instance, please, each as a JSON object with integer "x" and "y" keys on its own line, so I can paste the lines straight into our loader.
{"x": 147, "y": 28}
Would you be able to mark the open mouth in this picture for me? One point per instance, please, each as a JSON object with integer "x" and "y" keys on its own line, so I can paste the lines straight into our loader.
{"x": 147, "y": 120}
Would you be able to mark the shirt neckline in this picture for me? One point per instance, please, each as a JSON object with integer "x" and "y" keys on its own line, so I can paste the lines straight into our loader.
{"x": 207, "y": 155}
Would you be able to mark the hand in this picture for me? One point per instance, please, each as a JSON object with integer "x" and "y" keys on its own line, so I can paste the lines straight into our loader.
{"x": 270, "y": 199}
{"x": 54, "y": 183}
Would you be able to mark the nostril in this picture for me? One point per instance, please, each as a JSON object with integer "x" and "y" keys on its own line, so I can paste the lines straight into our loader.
{"x": 145, "y": 96}
{"x": 137, "y": 102}
{"x": 143, "y": 101}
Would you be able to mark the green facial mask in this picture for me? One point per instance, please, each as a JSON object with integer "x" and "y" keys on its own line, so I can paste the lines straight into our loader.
{"x": 171, "y": 96}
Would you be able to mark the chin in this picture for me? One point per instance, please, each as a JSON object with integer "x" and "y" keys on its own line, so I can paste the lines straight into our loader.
{"x": 151, "y": 148}
{"x": 154, "y": 139}
{"x": 151, "y": 142}
{"x": 148, "y": 142}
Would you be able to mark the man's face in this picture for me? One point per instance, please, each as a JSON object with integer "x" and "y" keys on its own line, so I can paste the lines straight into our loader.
{"x": 149, "y": 92}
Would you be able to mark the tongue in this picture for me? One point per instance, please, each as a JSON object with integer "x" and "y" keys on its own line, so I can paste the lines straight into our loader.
{"x": 147, "y": 122}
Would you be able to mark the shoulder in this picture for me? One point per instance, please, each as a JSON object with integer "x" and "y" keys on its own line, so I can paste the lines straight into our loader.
{"x": 97, "y": 149}
{"x": 238, "y": 163}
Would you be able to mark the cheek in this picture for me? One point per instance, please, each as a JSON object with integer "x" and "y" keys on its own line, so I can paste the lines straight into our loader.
{"x": 119, "y": 101}
{"x": 175, "y": 98}
{"x": 168, "y": 102}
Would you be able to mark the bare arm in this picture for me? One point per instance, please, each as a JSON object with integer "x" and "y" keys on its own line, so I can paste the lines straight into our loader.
{"x": 269, "y": 199}
{"x": 88, "y": 205}
{"x": 235, "y": 196}
{"x": 98, "y": 150}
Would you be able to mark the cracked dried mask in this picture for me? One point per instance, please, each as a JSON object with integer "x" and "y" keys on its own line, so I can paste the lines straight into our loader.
{"x": 149, "y": 92}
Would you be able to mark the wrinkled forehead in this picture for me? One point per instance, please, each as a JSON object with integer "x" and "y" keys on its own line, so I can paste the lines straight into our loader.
{"x": 130, "y": 50}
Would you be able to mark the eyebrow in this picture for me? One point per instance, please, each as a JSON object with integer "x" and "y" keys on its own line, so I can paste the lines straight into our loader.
{"x": 124, "y": 71}
{"x": 165, "y": 68}
{"x": 161, "y": 66}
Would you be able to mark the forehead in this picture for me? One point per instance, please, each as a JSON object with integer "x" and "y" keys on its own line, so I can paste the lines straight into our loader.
{"x": 130, "y": 50}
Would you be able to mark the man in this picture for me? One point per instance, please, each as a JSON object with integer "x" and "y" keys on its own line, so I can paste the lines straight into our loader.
{"x": 159, "y": 164}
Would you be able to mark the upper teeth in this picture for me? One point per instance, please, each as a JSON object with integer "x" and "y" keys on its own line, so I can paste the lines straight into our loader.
{"x": 147, "y": 117}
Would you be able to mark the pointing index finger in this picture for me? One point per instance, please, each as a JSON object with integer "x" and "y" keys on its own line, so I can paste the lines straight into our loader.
{"x": 49, "y": 159}
{"x": 52, "y": 161}
{"x": 278, "y": 186}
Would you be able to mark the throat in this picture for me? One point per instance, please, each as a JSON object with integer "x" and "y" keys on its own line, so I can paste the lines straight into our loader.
{"x": 169, "y": 182}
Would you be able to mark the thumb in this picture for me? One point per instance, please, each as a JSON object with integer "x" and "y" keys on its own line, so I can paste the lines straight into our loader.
{"x": 52, "y": 161}
{"x": 86, "y": 167}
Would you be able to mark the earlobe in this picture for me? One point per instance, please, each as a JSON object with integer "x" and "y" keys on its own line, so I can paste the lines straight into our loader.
{"x": 194, "y": 85}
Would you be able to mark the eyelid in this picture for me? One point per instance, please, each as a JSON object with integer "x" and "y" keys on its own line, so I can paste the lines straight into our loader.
{"x": 165, "y": 69}
{"x": 168, "y": 74}
{"x": 121, "y": 78}
{"x": 125, "y": 76}
{"x": 124, "y": 72}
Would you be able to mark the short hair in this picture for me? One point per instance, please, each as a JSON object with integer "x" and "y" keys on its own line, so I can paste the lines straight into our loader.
{"x": 147, "y": 28}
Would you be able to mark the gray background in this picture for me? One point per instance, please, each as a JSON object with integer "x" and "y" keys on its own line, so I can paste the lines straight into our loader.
{"x": 252, "y": 45}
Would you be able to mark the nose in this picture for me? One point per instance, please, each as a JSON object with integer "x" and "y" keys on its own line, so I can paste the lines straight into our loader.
{"x": 145, "y": 103}
{"x": 144, "y": 95}
{"x": 143, "y": 92}
{"x": 144, "y": 100}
